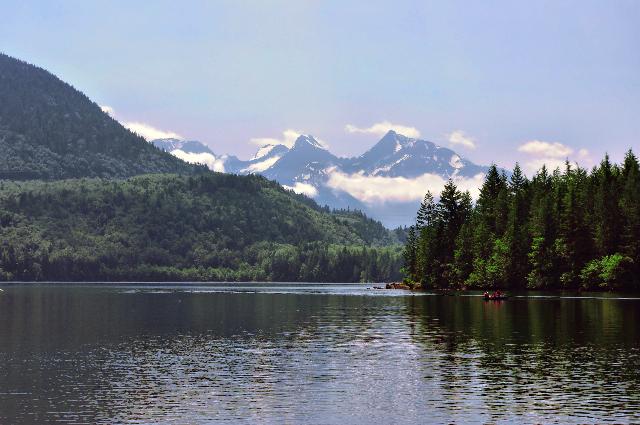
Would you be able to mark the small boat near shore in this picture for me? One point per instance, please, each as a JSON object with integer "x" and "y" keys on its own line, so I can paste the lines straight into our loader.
{"x": 493, "y": 297}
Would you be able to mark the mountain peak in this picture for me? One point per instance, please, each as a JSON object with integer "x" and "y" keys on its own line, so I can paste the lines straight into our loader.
{"x": 390, "y": 133}
{"x": 270, "y": 150}
{"x": 171, "y": 144}
{"x": 307, "y": 140}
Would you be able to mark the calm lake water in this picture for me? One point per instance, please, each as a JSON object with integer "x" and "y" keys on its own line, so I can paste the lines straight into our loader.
{"x": 340, "y": 354}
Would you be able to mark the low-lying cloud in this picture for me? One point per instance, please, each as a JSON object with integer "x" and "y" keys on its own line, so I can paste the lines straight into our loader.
{"x": 150, "y": 132}
{"x": 381, "y": 189}
{"x": 147, "y": 131}
{"x": 460, "y": 138}
{"x": 381, "y": 128}
{"x": 303, "y": 188}
{"x": 107, "y": 110}
{"x": 215, "y": 164}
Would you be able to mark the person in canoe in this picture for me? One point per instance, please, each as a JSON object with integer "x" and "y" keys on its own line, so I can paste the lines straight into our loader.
{"x": 497, "y": 295}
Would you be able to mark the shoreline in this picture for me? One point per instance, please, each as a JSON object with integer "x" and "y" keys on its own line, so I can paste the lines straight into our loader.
{"x": 371, "y": 285}
{"x": 453, "y": 292}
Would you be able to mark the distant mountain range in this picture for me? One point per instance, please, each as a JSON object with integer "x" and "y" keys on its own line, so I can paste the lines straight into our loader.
{"x": 83, "y": 198}
{"x": 49, "y": 130}
{"x": 308, "y": 167}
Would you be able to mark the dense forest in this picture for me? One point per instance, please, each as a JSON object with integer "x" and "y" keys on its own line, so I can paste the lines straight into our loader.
{"x": 568, "y": 229}
{"x": 49, "y": 130}
{"x": 207, "y": 227}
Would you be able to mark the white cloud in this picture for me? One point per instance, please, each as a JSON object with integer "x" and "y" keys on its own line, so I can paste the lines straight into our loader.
{"x": 380, "y": 189}
{"x": 215, "y": 164}
{"x": 533, "y": 165}
{"x": 107, "y": 109}
{"x": 551, "y": 154}
{"x": 545, "y": 149}
{"x": 303, "y": 188}
{"x": 289, "y": 137}
{"x": 459, "y": 138}
{"x": 583, "y": 153}
{"x": 149, "y": 132}
{"x": 262, "y": 165}
{"x": 381, "y": 128}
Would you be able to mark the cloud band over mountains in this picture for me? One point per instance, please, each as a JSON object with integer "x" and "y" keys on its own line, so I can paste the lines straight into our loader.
{"x": 381, "y": 189}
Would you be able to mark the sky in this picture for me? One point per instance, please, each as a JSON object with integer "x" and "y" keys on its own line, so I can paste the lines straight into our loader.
{"x": 498, "y": 81}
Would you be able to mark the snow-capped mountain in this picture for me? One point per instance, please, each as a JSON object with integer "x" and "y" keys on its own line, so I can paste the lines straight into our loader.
{"x": 192, "y": 151}
{"x": 264, "y": 159}
{"x": 396, "y": 155}
{"x": 171, "y": 145}
{"x": 387, "y": 181}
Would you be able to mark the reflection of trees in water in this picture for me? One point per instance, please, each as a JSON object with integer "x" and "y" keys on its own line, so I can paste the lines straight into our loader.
{"x": 157, "y": 355}
{"x": 143, "y": 354}
{"x": 530, "y": 353}
{"x": 275, "y": 343}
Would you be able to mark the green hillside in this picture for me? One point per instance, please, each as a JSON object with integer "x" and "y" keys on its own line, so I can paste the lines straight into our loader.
{"x": 168, "y": 227}
{"x": 49, "y": 130}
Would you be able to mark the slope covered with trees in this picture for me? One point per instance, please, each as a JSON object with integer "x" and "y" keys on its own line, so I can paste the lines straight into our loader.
{"x": 49, "y": 130}
{"x": 567, "y": 229}
{"x": 169, "y": 227}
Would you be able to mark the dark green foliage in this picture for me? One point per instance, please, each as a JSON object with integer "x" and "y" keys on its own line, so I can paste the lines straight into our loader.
{"x": 49, "y": 130}
{"x": 430, "y": 251}
{"x": 570, "y": 229}
{"x": 426, "y": 212}
{"x": 168, "y": 227}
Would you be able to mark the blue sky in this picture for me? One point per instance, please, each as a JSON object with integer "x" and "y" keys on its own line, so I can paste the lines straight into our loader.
{"x": 488, "y": 78}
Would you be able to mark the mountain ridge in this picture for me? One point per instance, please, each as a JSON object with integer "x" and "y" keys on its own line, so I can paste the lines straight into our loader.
{"x": 309, "y": 167}
{"x": 50, "y": 130}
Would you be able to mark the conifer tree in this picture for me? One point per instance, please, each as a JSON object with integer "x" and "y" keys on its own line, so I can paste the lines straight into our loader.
{"x": 566, "y": 229}
{"x": 630, "y": 207}
{"x": 607, "y": 219}
{"x": 410, "y": 256}
{"x": 426, "y": 211}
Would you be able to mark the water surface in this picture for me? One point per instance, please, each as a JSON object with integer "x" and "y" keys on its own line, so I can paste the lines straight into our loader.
{"x": 279, "y": 353}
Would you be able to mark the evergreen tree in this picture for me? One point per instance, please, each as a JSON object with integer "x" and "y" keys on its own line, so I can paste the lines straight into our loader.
{"x": 568, "y": 229}
{"x": 630, "y": 207}
{"x": 517, "y": 236}
{"x": 607, "y": 219}
{"x": 410, "y": 256}
{"x": 426, "y": 212}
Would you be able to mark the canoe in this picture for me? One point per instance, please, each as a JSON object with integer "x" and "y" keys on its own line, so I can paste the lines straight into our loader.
{"x": 496, "y": 298}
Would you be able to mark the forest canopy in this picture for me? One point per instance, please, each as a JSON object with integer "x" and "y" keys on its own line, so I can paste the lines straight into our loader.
{"x": 49, "y": 130}
{"x": 566, "y": 229}
{"x": 208, "y": 227}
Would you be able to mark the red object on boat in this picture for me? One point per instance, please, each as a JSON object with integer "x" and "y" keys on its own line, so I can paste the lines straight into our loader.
{"x": 495, "y": 297}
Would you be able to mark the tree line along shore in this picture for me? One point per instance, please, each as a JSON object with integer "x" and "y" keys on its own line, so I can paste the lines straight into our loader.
{"x": 569, "y": 229}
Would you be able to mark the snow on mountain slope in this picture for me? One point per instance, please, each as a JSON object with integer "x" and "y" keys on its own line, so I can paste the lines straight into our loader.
{"x": 396, "y": 155}
{"x": 192, "y": 146}
{"x": 387, "y": 181}
{"x": 191, "y": 151}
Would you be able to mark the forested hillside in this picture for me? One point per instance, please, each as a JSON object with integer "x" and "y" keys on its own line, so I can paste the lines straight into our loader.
{"x": 49, "y": 130}
{"x": 170, "y": 227}
{"x": 567, "y": 229}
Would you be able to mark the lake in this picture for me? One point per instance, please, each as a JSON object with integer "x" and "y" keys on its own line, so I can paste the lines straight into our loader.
{"x": 313, "y": 353}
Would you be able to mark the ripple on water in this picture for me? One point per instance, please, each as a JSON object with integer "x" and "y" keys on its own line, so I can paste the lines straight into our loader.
{"x": 334, "y": 357}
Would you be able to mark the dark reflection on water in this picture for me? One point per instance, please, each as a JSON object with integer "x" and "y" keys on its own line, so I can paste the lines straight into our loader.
{"x": 315, "y": 353}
